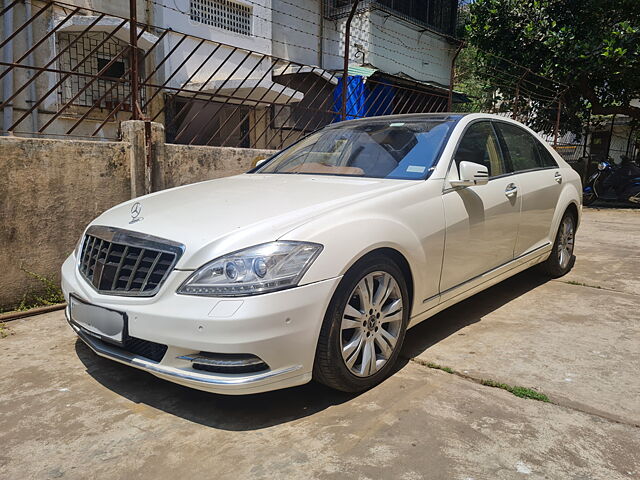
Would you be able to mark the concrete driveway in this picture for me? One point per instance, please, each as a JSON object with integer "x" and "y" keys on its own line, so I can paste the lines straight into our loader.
{"x": 65, "y": 413}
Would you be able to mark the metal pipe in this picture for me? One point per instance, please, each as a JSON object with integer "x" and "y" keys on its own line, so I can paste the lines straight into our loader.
{"x": 133, "y": 56}
{"x": 345, "y": 69}
{"x": 556, "y": 130}
{"x": 452, "y": 74}
{"x": 7, "y": 57}
{"x": 613, "y": 122}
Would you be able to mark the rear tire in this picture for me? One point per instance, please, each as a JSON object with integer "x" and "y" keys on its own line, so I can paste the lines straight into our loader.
{"x": 364, "y": 326}
{"x": 561, "y": 260}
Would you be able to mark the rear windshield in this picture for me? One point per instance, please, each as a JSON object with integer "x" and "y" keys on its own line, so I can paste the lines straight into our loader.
{"x": 399, "y": 150}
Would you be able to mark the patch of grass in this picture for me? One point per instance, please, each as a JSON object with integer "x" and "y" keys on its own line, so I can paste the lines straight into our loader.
{"x": 440, "y": 367}
{"x": 4, "y": 330}
{"x": 522, "y": 392}
{"x": 580, "y": 284}
{"x": 48, "y": 293}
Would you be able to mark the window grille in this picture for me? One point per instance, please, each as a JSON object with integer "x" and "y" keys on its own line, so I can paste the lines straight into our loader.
{"x": 72, "y": 60}
{"x": 224, "y": 14}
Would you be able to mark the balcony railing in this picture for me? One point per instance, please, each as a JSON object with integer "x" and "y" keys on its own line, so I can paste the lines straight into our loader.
{"x": 438, "y": 15}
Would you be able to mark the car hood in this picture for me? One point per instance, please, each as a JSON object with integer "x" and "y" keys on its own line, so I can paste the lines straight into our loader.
{"x": 219, "y": 216}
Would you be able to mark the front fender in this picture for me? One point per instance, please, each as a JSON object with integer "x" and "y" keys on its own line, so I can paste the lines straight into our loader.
{"x": 412, "y": 223}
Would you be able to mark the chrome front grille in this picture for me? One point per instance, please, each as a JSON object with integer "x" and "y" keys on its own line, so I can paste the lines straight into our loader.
{"x": 121, "y": 262}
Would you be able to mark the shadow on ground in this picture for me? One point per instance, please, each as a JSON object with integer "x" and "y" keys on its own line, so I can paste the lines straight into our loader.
{"x": 257, "y": 411}
{"x": 467, "y": 312}
{"x": 605, "y": 204}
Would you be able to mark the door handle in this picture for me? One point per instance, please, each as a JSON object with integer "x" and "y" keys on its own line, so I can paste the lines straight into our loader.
{"x": 558, "y": 177}
{"x": 511, "y": 190}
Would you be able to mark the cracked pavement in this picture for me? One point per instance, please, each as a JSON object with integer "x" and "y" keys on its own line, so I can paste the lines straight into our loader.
{"x": 66, "y": 413}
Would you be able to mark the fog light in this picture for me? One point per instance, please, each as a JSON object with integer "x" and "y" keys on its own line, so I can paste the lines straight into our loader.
{"x": 225, "y": 362}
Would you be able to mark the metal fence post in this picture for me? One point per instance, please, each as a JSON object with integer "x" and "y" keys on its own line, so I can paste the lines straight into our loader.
{"x": 133, "y": 59}
{"x": 345, "y": 69}
{"x": 557, "y": 126}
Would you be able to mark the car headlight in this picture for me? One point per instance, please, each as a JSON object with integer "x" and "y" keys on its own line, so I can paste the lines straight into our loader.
{"x": 254, "y": 270}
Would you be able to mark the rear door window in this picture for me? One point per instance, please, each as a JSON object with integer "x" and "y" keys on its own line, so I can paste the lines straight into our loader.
{"x": 521, "y": 147}
{"x": 546, "y": 157}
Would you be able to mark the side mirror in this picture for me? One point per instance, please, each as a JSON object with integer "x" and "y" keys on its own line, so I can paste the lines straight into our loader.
{"x": 471, "y": 174}
{"x": 257, "y": 161}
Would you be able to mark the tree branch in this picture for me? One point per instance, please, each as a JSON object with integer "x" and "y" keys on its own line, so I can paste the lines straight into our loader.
{"x": 597, "y": 108}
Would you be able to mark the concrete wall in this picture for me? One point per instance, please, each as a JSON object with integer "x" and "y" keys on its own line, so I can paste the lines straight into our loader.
{"x": 185, "y": 164}
{"x": 51, "y": 189}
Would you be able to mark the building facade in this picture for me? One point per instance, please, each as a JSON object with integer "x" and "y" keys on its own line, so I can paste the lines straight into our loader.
{"x": 257, "y": 73}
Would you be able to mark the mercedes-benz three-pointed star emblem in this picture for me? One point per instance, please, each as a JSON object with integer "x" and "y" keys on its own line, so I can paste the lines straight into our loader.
{"x": 136, "y": 209}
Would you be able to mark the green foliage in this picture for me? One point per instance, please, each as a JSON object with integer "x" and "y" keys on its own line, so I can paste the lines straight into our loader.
{"x": 440, "y": 367}
{"x": 4, "y": 330}
{"x": 48, "y": 293}
{"x": 590, "y": 46}
{"x": 522, "y": 392}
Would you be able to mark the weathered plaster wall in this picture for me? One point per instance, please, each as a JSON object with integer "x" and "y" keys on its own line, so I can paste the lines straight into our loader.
{"x": 185, "y": 164}
{"x": 51, "y": 189}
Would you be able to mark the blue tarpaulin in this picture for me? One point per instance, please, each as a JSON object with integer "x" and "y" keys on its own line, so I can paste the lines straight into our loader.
{"x": 362, "y": 101}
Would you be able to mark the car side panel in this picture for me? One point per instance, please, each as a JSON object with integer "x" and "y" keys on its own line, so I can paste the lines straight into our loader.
{"x": 571, "y": 193}
{"x": 410, "y": 221}
{"x": 539, "y": 193}
{"x": 482, "y": 226}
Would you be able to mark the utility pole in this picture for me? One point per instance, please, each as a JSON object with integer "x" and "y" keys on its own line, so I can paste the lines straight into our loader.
{"x": 345, "y": 70}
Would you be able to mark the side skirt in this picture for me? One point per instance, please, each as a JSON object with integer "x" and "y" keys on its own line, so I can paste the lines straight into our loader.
{"x": 474, "y": 285}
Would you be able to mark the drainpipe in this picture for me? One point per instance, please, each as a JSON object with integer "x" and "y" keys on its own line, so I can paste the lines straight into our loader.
{"x": 345, "y": 70}
{"x": 30, "y": 63}
{"x": 7, "y": 57}
{"x": 321, "y": 36}
{"x": 452, "y": 74}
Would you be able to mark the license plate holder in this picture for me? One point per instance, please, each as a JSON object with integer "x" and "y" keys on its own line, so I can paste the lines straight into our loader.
{"x": 100, "y": 322}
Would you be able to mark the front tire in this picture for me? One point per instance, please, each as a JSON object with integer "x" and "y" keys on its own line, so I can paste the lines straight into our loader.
{"x": 364, "y": 326}
{"x": 561, "y": 260}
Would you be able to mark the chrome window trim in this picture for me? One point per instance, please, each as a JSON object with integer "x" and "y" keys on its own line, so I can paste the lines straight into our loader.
{"x": 132, "y": 239}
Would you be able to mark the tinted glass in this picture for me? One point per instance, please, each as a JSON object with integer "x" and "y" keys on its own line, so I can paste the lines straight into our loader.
{"x": 401, "y": 150}
{"x": 521, "y": 147}
{"x": 546, "y": 157}
{"x": 480, "y": 145}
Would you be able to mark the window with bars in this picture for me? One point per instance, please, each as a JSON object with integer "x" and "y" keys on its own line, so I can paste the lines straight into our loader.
{"x": 105, "y": 63}
{"x": 224, "y": 14}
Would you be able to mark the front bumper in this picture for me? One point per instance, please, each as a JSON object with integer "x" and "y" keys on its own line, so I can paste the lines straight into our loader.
{"x": 281, "y": 328}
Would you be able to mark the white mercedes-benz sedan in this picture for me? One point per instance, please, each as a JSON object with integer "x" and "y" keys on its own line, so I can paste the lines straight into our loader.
{"x": 315, "y": 263}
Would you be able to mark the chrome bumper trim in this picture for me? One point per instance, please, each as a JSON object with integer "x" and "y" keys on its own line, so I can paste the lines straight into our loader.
{"x": 141, "y": 363}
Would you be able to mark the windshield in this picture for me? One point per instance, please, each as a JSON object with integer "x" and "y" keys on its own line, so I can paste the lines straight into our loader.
{"x": 400, "y": 150}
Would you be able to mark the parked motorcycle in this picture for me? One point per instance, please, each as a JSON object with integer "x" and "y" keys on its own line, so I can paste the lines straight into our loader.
{"x": 611, "y": 182}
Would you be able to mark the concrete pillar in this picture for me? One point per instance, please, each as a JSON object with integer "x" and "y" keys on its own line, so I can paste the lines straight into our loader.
{"x": 133, "y": 133}
{"x": 156, "y": 157}
{"x": 146, "y": 155}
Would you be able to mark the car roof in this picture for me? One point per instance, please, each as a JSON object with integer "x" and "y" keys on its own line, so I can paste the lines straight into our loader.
{"x": 406, "y": 117}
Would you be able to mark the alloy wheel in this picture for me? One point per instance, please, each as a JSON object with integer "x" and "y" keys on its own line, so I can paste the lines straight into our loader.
{"x": 565, "y": 242}
{"x": 371, "y": 323}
